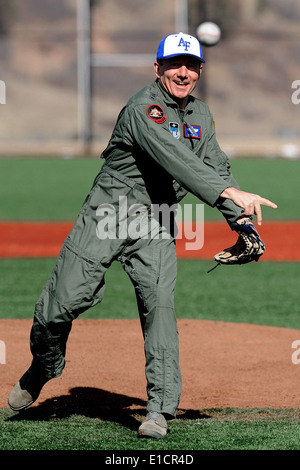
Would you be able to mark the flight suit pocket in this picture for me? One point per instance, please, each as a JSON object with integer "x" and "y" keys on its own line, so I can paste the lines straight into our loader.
{"x": 71, "y": 280}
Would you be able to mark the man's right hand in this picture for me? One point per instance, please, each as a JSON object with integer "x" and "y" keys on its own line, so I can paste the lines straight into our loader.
{"x": 249, "y": 202}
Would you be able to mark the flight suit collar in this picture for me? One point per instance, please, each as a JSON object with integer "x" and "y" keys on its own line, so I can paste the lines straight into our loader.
{"x": 168, "y": 98}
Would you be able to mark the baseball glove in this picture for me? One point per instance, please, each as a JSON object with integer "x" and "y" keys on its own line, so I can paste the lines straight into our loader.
{"x": 249, "y": 246}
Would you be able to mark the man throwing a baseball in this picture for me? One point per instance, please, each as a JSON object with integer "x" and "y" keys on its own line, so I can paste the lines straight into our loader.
{"x": 163, "y": 146}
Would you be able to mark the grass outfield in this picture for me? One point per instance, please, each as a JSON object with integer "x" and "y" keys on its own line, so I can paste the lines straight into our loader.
{"x": 215, "y": 429}
{"x": 55, "y": 189}
{"x": 265, "y": 293}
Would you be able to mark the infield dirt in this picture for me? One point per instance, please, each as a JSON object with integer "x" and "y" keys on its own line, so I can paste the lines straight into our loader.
{"x": 223, "y": 364}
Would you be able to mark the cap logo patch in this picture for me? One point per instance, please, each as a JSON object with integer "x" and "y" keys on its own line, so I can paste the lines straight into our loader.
{"x": 156, "y": 113}
{"x": 185, "y": 44}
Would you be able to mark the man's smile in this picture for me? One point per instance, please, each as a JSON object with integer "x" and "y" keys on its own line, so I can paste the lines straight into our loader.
{"x": 179, "y": 83}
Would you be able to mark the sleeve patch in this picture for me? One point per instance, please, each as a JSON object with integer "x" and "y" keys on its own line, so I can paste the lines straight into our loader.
{"x": 156, "y": 113}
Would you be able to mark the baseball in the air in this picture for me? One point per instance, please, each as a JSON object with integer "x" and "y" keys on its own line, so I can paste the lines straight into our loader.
{"x": 208, "y": 33}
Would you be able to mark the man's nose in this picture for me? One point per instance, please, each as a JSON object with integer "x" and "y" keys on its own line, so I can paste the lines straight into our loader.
{"x": 182, "y": 71}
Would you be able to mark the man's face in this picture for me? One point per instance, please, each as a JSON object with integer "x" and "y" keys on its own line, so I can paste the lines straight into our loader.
{"x": 179, "y": 76}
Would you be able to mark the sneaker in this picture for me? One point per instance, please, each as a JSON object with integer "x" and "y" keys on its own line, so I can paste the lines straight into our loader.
{"x": 155, "y": 425}
{"x": 27, "y": 390}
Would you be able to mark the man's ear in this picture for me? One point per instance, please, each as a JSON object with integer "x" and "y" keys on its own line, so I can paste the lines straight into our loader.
{"x": 157, "y": 69}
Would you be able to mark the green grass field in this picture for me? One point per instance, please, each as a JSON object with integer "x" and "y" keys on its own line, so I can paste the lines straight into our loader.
{"x": 267, "y": 292}
{"x": 55, "y": 189}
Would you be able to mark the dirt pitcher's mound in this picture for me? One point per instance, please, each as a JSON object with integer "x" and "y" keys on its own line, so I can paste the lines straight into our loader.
{"x": 222, "y": 364}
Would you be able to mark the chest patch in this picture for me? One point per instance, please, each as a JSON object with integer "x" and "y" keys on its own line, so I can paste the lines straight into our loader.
{"x": 156, "y": 113}
{"x": 192, "y": 132}
{"x": 174, "y": 129}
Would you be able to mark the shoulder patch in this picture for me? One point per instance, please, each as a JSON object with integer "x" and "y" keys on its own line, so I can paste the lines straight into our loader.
{"x": 156, "y": 113}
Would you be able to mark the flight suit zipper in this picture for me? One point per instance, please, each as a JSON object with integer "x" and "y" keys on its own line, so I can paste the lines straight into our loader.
{"x": 181, "y": 114}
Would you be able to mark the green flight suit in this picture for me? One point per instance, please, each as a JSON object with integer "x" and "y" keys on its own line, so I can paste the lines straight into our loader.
{"x": 156, "y": 154}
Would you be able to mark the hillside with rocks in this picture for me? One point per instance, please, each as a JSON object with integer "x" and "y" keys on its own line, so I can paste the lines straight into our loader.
{"x": 246, "y": 81}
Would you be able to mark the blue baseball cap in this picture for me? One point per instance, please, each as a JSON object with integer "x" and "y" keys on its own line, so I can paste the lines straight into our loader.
{"x": 179, "y": 44}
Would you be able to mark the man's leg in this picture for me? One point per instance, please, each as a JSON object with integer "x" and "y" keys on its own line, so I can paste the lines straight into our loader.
{"x": 152, "y": 267}
{"x": 75, "y": 284}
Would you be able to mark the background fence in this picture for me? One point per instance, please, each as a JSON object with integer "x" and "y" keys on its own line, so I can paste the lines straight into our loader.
{"x": 247, "y": 80}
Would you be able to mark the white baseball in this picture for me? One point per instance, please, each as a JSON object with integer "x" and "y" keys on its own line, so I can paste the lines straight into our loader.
{"x": 208, "y": 33}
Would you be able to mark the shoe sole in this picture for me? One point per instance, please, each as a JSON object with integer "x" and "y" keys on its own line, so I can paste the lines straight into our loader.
{"x": 150, "y": 433}
{"x": 21, "y": 407}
